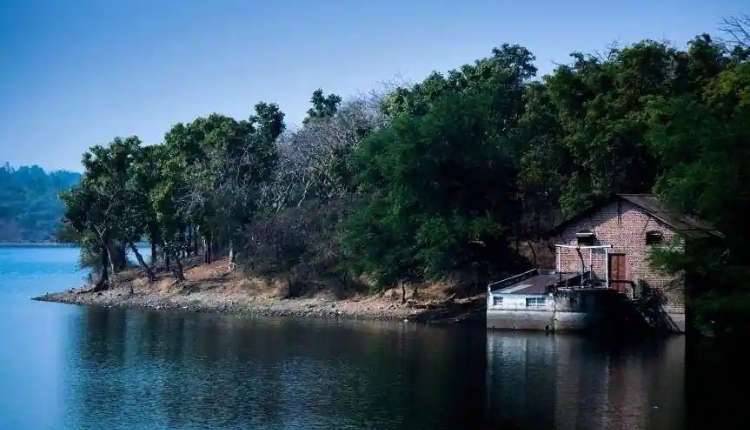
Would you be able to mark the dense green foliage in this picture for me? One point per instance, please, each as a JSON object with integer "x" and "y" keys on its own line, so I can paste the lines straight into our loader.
{"x": 30, "y": 209}
{"x": 443, "y": 177}
{"x": 205, "y": 179}
{"x": 486, "y": 157}
{"x": 440, "y": 180}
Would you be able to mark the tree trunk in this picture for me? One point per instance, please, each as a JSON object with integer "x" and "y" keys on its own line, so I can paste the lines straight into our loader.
{"x": 232, "y": 256}
{"x": 533, "y": 252}
{"x": 289, "y": 287}
{"x": 166, "y": 262}
{"x": 210, "y": 250}
{"x": 153, "y": 253}
{"x": 178, "y": 273}
{"x": 206, "y": 250}
{"x": 103, "y": 281}
{"x": 403, "y": 293}
{"x": 195, "y": 240}
{"x": 112, "y": 269}
{"x": 189, "y": 240}
{"x": 142, "y": 262}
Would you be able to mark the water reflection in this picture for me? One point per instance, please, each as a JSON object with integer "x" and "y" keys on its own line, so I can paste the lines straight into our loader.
{"x": 129, "y": 369}
{"x": 75, "y": 367}
{"x": 132, "y": 369}
{"x": 572, "y": 382}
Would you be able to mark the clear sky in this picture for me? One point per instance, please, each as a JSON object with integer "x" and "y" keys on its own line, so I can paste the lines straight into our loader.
{"x": 77, "y": 73}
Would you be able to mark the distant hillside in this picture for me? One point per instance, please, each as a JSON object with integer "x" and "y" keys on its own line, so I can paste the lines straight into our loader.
{"x": 30, "y": 208}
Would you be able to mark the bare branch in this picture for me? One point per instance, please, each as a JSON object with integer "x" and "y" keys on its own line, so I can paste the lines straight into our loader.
{"x": 737, "y": 28}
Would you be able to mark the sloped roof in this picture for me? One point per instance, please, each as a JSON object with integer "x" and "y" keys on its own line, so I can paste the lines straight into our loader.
{"x": 650, "y": 203}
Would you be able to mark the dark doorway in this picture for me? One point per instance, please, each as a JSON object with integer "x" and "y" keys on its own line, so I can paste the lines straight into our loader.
{"x": 618, "y": 272}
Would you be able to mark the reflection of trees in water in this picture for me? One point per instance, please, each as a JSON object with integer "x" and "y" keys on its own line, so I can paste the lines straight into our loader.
{"x": 564, "y": 381}
{"x": 184, "y": 370}
{"x": 145, "y": 370}
{"x": 520, "y": 380}
{"x": 90, "y": 384}
{"x": 152, "y": 370}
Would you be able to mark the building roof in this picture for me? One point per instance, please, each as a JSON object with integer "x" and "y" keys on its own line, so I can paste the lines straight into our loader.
{"x": 537, "y": 284}
{"x": 651, "y": 204}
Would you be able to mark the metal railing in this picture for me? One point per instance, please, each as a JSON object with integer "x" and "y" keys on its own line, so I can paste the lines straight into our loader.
{"x": 512, "y": 279}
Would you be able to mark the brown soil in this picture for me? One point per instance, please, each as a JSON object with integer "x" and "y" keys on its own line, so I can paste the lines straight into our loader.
{"x": 214, "y": 288}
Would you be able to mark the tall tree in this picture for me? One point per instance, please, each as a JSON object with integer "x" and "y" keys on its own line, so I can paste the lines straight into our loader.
{"x": 323, "y": 106}
{"x": 104, "y": 206}
{"x": 217, "y": 168}
{"x": 315, "y": 162}
{"x": 440, "y": 180}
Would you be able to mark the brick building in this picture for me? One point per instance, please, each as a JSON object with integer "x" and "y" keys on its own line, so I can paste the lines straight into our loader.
{"x": 631, "y": 224}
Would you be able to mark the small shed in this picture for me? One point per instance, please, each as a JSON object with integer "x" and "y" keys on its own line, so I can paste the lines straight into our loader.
{"x": 611, "y": 242}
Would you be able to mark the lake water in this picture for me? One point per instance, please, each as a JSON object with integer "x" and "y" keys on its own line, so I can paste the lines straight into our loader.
{"x": 71, "y": 367}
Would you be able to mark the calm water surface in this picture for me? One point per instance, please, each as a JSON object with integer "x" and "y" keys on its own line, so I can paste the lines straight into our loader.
{"x": 70, "y": 367}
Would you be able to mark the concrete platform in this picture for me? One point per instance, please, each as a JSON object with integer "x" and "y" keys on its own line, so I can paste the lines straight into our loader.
{"x": 537, "y": 284}
{"x": 536, "y": 300}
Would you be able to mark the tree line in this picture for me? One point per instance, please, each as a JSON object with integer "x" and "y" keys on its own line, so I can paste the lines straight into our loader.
{"x": 30, "y": 208}
{"x": 442, "y": 176}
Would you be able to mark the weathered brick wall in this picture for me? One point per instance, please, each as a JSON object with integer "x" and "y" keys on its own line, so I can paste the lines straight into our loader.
{"x": 624, "y": 226}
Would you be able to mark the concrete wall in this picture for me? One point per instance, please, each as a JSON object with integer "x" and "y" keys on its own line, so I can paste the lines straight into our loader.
{"x": 537, "y": 320}
{"x": 572, "y": 310}
{"x": 563, "y": 311}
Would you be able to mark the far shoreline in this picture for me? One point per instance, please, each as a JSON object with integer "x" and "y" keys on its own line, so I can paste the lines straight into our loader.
{"x": 37, "y": 245}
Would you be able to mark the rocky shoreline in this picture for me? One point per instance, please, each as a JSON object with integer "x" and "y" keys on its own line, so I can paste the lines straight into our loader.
{"x": 212, "y": 288}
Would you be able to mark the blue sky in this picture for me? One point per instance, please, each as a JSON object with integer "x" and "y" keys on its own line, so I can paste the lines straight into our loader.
{"x": 77, "y": 73}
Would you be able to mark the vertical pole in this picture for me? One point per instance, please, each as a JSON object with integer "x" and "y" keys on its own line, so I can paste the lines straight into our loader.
{"x": 606, "y": 265}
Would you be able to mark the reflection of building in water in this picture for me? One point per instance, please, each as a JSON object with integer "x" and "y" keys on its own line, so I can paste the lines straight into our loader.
{"x": 571, "y": 382}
